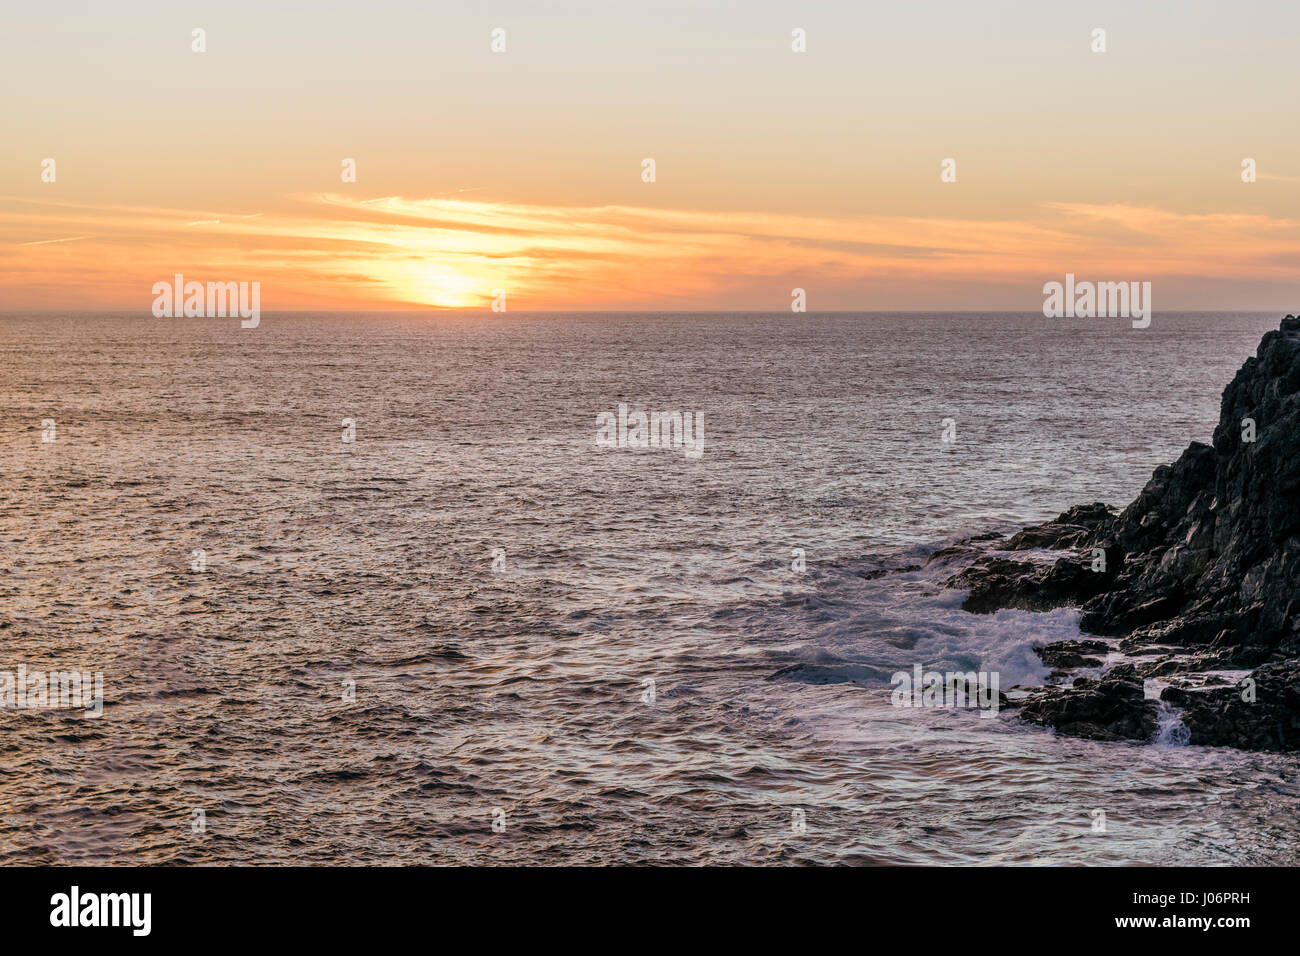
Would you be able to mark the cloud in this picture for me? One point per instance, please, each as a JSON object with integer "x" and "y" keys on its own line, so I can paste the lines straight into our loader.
{"x": 335, "y": 251}
{"x": 43, "y": 242}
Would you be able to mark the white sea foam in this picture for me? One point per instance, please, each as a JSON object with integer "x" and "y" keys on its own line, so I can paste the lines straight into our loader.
{"x": 896, "y": 621}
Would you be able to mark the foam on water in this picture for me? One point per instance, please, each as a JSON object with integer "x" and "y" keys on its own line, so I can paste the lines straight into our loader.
{"x": 1171, "y": 731}
{"x": 894, "y": 622}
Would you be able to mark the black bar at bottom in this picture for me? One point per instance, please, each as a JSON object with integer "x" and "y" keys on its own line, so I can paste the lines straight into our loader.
{"x": 330, "y": 906}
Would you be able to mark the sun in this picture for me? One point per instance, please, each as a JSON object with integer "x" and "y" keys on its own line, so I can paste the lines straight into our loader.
{"x": 444, "y": 288}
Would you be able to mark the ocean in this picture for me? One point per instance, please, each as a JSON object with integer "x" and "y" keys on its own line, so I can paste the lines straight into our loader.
{"x": 371, "y": 589}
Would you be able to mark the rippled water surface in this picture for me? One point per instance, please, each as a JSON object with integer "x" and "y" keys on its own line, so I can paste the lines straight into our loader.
{"x": 330, "y": 565}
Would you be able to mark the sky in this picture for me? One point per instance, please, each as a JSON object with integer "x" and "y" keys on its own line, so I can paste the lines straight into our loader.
{"x": 522, "y": 170}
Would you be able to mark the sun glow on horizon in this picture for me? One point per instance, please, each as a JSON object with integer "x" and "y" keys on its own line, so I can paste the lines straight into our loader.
{"x": 443, "y": 288}
{"x": 333, "y": 251}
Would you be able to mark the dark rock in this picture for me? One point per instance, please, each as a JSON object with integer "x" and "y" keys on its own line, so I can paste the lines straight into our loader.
{"x": 962, "y": 549}
{"x": 838, "y": 672}
{"x": 972, "y": 691}
{"x": 1072, "y": 653}
{"x": 1206, "y": 559}
{"x": 998, "y": 582}
{"x": 884, "y": 572}
{"x": 1229, "y": 717}
{"x": 1215, "y": 537}
{"x": 1071, "y": 528}
{"x": 1112, "y": 708}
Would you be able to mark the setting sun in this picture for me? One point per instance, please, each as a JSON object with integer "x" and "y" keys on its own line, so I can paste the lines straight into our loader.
{"x": 444, "y": 289}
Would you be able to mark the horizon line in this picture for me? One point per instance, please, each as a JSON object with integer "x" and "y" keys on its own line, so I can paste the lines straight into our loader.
{"x": 488, "y": 310}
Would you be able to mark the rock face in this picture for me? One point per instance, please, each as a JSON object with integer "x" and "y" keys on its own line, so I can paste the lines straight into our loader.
{"x": 1200, "y": 572}
{"x": 1225, "y": 716}
{"x": 1065, "y": 654}
{"x": 1112, "y": 708}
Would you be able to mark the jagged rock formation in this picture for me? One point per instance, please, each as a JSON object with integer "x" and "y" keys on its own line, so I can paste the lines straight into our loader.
{"x": 1112, "y": 708}
{"x": 1201, "y": 572}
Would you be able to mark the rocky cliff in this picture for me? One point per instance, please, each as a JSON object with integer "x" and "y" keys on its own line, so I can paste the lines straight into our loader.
{"x": 1196, "y": 582}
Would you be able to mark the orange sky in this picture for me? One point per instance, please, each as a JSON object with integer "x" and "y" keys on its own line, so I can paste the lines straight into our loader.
{"x": 334, "y": 251}
{"x": 521, "y": 171}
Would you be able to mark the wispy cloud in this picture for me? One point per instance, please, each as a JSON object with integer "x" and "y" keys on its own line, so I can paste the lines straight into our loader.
{"x": 46, "y": 242}
{"x": 333, "y": 250}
